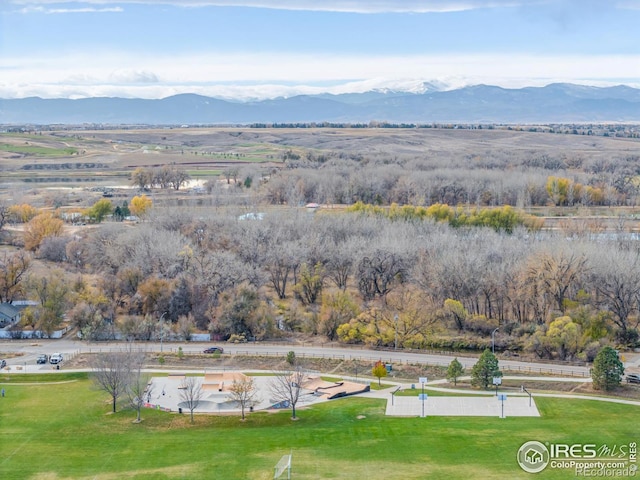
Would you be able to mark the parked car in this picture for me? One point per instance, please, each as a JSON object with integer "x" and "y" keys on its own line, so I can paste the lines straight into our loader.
{"x": 633, "y": 378}
{"x": 214, "y": 350}
{"x": 55, "y": 358}
{"x": 43, "y": 358}
{"x": 3, "y": 363}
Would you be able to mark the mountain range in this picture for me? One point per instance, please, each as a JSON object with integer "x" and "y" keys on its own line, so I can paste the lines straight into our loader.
{"x": 554, "y": 103}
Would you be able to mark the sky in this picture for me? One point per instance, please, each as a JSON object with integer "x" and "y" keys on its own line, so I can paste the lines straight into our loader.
{"x": 256, "y": 49}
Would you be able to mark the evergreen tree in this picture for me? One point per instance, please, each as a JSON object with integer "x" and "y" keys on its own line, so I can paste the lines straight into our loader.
{"x": 485, "y": 369}
{"x": 180, "y": 302}
{"x": 607, "y": 369}
{"x": 455, "y": 371}
{"x": 117, "y": 214}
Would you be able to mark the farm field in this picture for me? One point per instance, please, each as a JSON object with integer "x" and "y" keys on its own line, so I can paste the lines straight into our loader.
{"x": 53, "y": 167}
{"x": 205, "y": 151}
{"x": 64, "y": 431}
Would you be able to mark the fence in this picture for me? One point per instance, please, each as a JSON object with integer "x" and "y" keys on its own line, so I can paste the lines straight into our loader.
{"x": 31, "y": 334}
{"x": 528, "y": 369}
{"x": 510, "y": 368}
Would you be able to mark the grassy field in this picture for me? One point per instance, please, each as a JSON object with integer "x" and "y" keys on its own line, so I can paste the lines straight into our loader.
{"x": 38, "y": 150}
{"x": 55, "y": 431}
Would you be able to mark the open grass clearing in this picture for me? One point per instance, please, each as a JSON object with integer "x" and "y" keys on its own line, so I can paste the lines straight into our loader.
{"x": 38, "y": 150}
{"x": 75, "y": 437}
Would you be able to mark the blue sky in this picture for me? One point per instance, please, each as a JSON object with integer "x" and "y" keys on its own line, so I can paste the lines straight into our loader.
{"x": 259, "y": 49}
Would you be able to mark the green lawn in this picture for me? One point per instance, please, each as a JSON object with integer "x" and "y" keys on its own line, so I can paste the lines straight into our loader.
{"x": 37, "y": 150}
{"x": 57, "y": 431}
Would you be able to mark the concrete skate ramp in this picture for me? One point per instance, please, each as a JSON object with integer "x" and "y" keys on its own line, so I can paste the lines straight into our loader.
{"x": 221, "y": 381}
{"x": 332, "y": 390}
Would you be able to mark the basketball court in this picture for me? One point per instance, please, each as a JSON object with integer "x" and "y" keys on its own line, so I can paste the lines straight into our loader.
{"x": 484, "y": 406}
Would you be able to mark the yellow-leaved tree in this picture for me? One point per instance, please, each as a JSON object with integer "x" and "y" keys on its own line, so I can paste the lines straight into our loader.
{"x": 379, "y": 370}
{"x": 140, "y": 205}
{"x": 40, "y": 227}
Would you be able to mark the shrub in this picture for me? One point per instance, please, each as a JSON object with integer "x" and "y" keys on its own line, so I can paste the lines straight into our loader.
{"x": 291, "y": 358}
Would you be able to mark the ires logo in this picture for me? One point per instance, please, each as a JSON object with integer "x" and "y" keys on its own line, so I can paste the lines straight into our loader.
{"x": 534, "y": 457}
{"x": 562, "y": 450}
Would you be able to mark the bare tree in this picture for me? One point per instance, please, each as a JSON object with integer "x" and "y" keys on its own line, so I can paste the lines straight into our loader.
{"x": 556, "y": 273}
{"x": 4, "y": 214}
{"x": 286, "y": 386}
{"x": 616, "y": 280}
{"x": 111, "y": 373}
{"x": 244, "y": 392}
{"x": 191, "y": 393}
{"x": 138, "y": 387}
{"x": 378, "y": 273}
{"x": 179, "y": 178}
{"x": 13, "y": 270}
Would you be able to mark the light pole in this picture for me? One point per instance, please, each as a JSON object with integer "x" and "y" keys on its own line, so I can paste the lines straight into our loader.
{"x": 161, "y": 330}
{"x": 493, "y": 341}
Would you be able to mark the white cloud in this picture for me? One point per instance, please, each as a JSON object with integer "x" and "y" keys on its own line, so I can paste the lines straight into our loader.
{"x": 257, "y": 76}
{"x": 354, "y": 6}
{"x": 38, "y": 9}
{"x": 133, "y": 77}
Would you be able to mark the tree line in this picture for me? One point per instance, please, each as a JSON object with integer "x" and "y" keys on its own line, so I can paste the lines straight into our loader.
{"x": 350, "y": 276}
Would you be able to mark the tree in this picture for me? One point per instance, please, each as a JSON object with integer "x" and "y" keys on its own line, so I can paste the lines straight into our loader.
{"x": 291, "y": 357}
{"x": 138, "y": 387}
{"x": 336, "y": 309}
{"x": 155, "y": 295}
{"x": 99, "y": 210}
{"x": 13, "y": 270}
{"x": 4, "y": 214}
{"x": 239, "y": 312}
{"x": 379, "y": 273}
{"x": 186, "y": 326}
{"x": 121, "y": 212}
{"x": 455, "y": 371}
{"x": 22, "y": 213}
{"x": 180, "y": 301}
{"x": 457, "y": 312}
{"x": 54, "y": 249}
{"x": 379, "y": 370}
{"x": 142, "y": 178}
{"x": 244, "y": 392}
{"x": 286, "y": 387}
{"x": 179, "y": 178}
{"x": 616, "y": 280}
{"x": 191, "y": 393}
{"x": 607, "y": 369}
{"x": 111, "y": 373}
{"x": 485, "y": 369}
{"x": 140, "y": 205}
{"x": 310, "y": 284}
{"x": 555, "y": 274}
{"x": 566, "y": 336}
{"x": 40, "y": 227}
{"x": 52, "y": 292}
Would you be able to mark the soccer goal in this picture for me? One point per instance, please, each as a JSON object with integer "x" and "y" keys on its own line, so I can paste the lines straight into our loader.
{"x": 284, "y": 465}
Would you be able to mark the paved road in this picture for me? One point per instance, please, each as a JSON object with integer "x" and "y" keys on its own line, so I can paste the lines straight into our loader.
{"x": 30, "y": 350}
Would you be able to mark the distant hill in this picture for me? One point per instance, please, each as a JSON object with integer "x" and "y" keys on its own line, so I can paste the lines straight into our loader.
{"x": 555, "y": 103}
